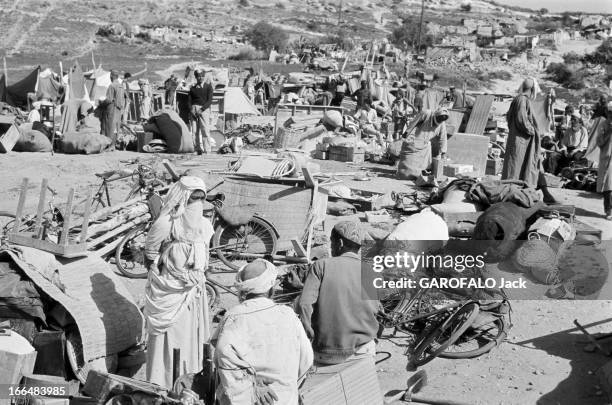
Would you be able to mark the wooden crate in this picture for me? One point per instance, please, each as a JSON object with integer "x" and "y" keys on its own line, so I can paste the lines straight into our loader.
{"x": 9, "y": 139}
{"x": 346, "y": 154}
{"x": 321, "y": 155}
{"x": 494, "y": 166}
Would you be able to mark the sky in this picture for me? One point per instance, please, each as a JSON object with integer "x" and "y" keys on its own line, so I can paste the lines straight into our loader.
{"x": 589, "y": 6}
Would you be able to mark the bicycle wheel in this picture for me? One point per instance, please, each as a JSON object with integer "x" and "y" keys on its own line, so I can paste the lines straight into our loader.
{"x": 487, "y": 331}
{"x": 230, "y": 242}
{"x": 445, "y": 335}
{"x": 213, "y": 295}
{"x": 7, "y": 220}
{"x": 129, "y": 256}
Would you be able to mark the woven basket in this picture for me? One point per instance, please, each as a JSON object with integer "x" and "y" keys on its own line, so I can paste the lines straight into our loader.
{"x": 285, "y": 206}
{"x": 537, "y": 258}
{"x": 286, "y": 138}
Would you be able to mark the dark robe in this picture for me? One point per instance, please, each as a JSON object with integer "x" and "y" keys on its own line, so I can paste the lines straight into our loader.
{"x": 522, "y": 158}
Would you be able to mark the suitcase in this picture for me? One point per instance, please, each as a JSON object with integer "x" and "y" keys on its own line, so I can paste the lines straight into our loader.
{"x": 102, "y": 386}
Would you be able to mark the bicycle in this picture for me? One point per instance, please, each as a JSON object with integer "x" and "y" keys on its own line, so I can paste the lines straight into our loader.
{"x": 145, "y": 177}
{"x": 462, "y": 328}
{"x": 231, "y": 243}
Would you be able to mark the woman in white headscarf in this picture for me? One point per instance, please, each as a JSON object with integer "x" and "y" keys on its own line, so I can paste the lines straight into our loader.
{"x": 429, "y": 140}
{"x": 522, "y": 160}
{"x": 176, "y": 307}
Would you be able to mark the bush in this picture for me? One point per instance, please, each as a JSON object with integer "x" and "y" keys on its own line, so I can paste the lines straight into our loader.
{"x": 266, "y": 36}
{"x": 570, "y": 78}
{"x": 243, "y": 3}
{"x": 247, "y": 53}
{"x": 559, "y": 72}
{"x": 602, "y": 55}
{"x": 572, "y": 58}
{"x": 467, "y": 7}
{"x": 281, "y": 5}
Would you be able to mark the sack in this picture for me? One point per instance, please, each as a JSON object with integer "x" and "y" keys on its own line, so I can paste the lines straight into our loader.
{"x": 87, "y": 143}
{"x": 174, "y": 131}
{"x": 412, "y": 161}
{"x": 33, "y": 141}
{"x": 333, "y": 118}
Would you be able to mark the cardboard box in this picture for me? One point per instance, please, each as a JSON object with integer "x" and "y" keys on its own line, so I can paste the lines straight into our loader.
{"x": 453, "y": 169}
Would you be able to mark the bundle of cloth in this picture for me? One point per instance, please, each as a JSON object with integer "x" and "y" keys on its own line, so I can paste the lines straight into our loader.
{"x": 491, "y": 191}
{"x": 502, "y": 225}
{"x": 87, "y": 138}
{"x": 32, "y": 140}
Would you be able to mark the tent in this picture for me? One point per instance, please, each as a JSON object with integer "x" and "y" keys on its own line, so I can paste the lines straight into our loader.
{"x": 96, "y": 83}
{"x": 236, "y": 102}
{"x": 17, "y": 94}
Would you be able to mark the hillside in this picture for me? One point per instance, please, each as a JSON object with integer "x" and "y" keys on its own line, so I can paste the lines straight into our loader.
{"x": 45, "y": 31}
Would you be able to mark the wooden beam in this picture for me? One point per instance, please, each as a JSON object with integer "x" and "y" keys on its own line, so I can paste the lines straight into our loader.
{"x": 67, "y": 216}
{"x": 41, "y": 204}
{"x": 20, "y": 204}
{"x": 85, "y": 224}
{"x": 299, "y": 249}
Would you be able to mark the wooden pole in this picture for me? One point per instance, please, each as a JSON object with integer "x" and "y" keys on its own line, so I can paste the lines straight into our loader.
{"x": 93, "y": 62}
{"x": 5, "y": 71}
{"x": 176, "y": 364}
{"x": 41, "y": 204}
{"x": 420, "y": 26}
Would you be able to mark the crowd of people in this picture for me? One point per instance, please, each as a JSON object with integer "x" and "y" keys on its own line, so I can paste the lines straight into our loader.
{"x": 262, "y": 349}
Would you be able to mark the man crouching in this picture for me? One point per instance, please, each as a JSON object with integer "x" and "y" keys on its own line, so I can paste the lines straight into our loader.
{"x": 262, "y": 350}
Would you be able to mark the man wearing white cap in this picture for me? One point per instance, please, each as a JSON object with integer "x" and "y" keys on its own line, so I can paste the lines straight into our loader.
{"x": 261, "y": 347}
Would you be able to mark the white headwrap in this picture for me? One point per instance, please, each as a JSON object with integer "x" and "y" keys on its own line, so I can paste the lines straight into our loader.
{"x": 179, "y": 193}
{"x": 260, "y": 284}
{"x": 535, "y": 89}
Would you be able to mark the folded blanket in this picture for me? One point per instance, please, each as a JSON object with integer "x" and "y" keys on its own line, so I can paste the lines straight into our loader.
{"x": 495, "y": 191}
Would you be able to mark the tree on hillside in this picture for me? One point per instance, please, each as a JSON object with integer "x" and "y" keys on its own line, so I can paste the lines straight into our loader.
{"x": 408, "y": 33}
{"x": 266, "y": 36}
{"x": 543, "y": 10}
{"x": 602, "y": 55}
{"x": 467, "y": 7}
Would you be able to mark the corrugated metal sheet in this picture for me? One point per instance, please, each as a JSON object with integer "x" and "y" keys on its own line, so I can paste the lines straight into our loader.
{"x": 479, "y": 115}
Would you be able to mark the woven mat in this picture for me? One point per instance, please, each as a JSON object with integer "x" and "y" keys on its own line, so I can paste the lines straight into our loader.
{"x": 108, "y": 319}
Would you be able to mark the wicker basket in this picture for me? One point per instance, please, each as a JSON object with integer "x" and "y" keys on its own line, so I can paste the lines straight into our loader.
{"x": 286, "y": 206}
{"x": 286, "y": 138}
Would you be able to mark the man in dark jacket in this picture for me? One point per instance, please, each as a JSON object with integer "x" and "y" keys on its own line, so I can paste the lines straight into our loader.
{"x": 341, "y": 324}
{"x": 200, "y": 100}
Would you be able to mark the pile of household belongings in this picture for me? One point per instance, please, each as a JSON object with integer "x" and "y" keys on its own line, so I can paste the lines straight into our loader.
{"x": 260, "y": 136}
{"x": 167, "y": 126}
{"x": 77, "y": 316}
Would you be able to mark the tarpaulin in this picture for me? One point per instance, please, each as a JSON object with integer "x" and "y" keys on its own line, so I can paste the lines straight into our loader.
{"x": 17, "y": 94}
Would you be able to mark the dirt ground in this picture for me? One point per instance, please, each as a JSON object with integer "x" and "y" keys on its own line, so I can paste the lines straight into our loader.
{"x": 542, "y": 361}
